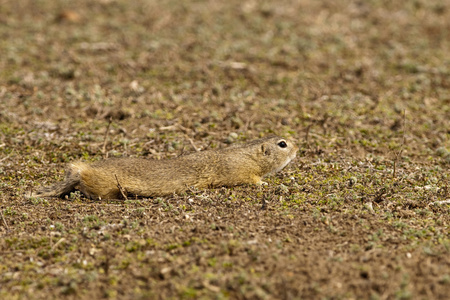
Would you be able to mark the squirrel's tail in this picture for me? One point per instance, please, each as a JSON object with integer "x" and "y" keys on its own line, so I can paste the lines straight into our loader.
{"x": 63, "y": 188}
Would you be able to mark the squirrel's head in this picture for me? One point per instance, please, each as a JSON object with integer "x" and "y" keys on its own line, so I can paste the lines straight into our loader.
{"x": 275, "y": 153}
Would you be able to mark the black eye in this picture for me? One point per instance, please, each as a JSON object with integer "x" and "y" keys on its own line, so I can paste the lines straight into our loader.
{"x": 282, "y": 144}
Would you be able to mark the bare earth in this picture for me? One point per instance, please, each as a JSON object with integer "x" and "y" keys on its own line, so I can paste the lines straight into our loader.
{"x": 363, "y": 86}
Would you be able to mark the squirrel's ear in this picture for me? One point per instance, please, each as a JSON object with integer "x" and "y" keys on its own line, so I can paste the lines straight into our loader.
{"x": 265, "y": 151}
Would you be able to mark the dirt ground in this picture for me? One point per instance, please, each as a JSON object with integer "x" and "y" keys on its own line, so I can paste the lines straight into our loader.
{"x": 362, "y": 86}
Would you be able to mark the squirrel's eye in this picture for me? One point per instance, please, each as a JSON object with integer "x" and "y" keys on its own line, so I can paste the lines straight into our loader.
{"x": 282, "y": 144}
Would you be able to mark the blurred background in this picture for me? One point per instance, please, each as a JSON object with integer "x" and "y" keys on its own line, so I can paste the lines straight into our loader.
{"x": 339, "y": 71}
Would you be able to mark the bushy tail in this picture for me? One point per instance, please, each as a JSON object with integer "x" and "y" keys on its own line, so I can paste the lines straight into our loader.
{"x": 60, "y": 189}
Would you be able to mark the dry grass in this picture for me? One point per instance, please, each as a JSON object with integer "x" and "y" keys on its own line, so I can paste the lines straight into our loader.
{"x": 338, "y": 223}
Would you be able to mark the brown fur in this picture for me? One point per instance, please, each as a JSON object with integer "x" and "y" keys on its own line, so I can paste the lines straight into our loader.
{"x": 235, "y": 165}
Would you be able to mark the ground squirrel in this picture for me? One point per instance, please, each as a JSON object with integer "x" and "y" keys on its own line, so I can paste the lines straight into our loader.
{"x": 234, "y": 165}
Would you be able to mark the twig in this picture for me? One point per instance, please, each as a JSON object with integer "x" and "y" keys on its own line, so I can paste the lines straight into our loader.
{"x": 263, "y": 200}
{"x": 121, "y": 189}
{"x": 107, "y": 262}
{"x": 263, "y": 206}
{"x": 247, "y": 122}
{"x": 401, "y": 146}
{"x": 57, "y": 243}
{"x": 440, "y": 202}
{"x": 12, "y": 251}
{"x": 193, "y": 145}
{"x": 379, "y": 195}
{"x": 4, "y": 221}
{"x": 5, "y": 158}
{"x": 193, "y": 190}
{"x": 279, "y": 227}
{"x": 307, "y": 133}
{"x": 105, "y": 139}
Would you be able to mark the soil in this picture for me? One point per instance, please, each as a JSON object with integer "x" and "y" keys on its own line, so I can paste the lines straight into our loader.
{"x": 362, "y": 86}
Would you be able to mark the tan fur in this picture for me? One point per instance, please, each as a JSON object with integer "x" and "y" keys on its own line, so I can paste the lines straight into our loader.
{"x": 235, "y": 165}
